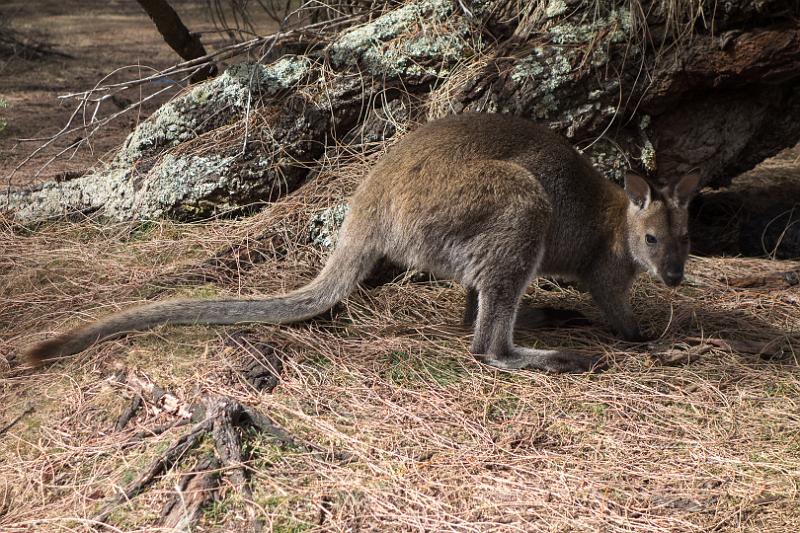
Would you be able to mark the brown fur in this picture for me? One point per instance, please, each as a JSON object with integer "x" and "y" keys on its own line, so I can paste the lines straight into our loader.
{"x": 490, "y": 201}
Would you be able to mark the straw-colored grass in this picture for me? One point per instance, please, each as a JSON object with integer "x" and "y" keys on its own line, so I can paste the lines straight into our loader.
{"x": 440, "y": 443}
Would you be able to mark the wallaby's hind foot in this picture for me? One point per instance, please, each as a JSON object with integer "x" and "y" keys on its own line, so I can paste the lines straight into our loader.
{"x": 553, "y": 361}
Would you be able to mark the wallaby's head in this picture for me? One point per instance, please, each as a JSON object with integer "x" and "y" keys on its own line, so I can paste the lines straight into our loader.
{"x": 658, "y": 225}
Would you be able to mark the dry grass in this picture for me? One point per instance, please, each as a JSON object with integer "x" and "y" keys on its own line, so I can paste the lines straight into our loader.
{"x": 441, "y": 443}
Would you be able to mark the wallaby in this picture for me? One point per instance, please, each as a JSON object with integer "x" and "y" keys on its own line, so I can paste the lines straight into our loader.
{"x": 490, "y": 201}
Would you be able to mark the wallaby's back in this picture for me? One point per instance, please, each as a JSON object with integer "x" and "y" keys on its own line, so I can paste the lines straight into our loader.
{"x": 446, "y": 178}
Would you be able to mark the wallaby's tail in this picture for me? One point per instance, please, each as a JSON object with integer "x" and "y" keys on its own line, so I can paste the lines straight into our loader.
{"x": 350, "y": 262}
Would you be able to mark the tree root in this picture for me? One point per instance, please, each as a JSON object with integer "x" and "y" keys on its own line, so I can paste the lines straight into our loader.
{"x": 163, "y": 463}
{"x": 228, "y": 447}
{"x": 128, "y": 413}
{"x": 261, "y": 366}
{"x": 221, "y": 419}
{"x": 195, "y": 490}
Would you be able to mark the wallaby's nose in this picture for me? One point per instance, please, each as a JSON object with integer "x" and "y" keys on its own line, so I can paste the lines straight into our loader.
{"x": 673, "y": 277}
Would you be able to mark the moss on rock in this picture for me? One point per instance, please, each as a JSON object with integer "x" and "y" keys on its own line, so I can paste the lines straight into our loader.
{"x": 547, "y": 75}
{"x": 179, "y": 184}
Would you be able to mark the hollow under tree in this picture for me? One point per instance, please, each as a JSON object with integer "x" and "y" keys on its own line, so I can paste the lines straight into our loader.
{"x": 664, "y": 86}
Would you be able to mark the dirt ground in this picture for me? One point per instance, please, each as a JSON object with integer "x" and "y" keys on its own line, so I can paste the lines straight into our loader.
{"x": 98, "y": 37}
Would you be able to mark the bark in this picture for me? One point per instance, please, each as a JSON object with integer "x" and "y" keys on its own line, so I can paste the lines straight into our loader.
{"x": 177, "y": 35}
{"x": 648, "y": 85}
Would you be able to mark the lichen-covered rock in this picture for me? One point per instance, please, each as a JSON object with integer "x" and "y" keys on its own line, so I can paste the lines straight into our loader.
{"x": 609, "y": 159}
{"x": 547, "y": 75}
{"x": 555, "y": 8}
{"x": 416, "y": 41}
{"x": 541, "y": 75}
{"x": 211, "y": 104}
{"x": 558, "y": 81}
{"x": 609, "y": 24}
{"x": 145, "y": 180}
{"x": 185, "y": 181}
{"x": 324, "y": 226}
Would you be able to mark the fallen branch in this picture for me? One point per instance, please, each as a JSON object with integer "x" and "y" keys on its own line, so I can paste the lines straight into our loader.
{"x": 771, "y": 349}
{"x": 696, "y": 347}
{"x": 228, "y": 447}
{"x": 772, "y": 280}
{"x": 161, "y": 399}
{"x": 147, "y": 433}
{"x": 683, "y": 355}
{"x": 261, "y": 366}
{"x": 128, "y": 413}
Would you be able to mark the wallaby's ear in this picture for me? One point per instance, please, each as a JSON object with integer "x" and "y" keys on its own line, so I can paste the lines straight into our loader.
{"x": 684, "y": 189}
{"x": 638, "y": 189}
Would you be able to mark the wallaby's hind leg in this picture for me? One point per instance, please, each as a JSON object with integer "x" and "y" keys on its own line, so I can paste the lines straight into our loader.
{"x": 493, "y": 343}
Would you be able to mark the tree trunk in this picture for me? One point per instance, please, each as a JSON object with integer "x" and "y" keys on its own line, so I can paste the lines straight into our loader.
{"x": 664, "y": 87}
{"x": 177, "y": 35}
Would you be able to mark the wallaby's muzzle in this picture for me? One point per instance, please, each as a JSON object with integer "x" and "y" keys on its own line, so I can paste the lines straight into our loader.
{"x": 673, "y": 279}
{"x": 673, "y": 276}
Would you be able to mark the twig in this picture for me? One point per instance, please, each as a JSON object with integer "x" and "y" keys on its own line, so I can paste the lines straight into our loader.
{"x": 222, "y": 417}
{"x": 767, "y": 350}
{"x": 186, "y": 69}
{"x": 146, "y": 433}
{"x": 161, "y": 398}
{"x": 129, "y": 412}
{"x": 789, "y": 278}
{"x": 19, "y": 417}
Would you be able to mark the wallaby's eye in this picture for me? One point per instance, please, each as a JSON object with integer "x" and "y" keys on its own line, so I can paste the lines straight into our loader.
{"x": 649, "y": 239}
